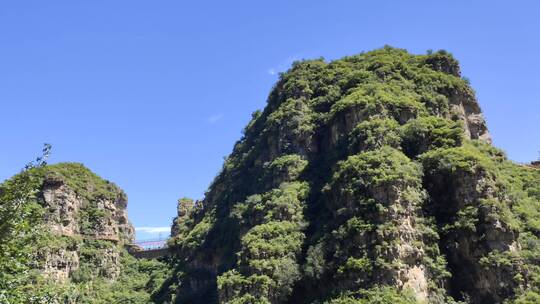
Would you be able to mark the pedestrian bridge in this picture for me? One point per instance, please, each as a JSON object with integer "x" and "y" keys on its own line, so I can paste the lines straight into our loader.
{"x": 149, "y": 249}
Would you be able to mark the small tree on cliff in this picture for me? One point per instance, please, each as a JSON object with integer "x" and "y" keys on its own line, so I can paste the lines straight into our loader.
{"x": 20, "y": 215}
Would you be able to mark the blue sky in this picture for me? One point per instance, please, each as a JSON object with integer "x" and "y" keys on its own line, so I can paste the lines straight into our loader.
{"x": 153, "y": 94}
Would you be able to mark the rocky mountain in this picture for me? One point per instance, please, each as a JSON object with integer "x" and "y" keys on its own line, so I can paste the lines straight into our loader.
{"x": 78, "y": 229}
{"x": 365, "y": 180}
{"x": 89, "y": 216}
{"x": 368, "y": 179}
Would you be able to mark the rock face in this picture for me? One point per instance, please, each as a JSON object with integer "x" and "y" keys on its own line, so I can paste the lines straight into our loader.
{"x": 465, "y": 106}
{"x": 369, "y": 179}
{"x": 84, "y": 215}
{"x": 59, "y": 264}
{"x": 62, "y": 207}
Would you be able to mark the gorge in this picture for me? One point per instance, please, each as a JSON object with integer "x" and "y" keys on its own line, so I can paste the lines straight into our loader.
{"x": 368, "y": 179}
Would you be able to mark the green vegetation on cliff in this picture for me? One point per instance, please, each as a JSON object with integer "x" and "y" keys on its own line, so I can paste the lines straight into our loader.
{"x": 63, "y": 240}
{"x": 369, "y": 179}
{"x": 20, "y": 215}
{"x": 366, "y": 180}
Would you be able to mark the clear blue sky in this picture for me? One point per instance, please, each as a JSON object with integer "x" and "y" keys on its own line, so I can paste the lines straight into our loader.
{"x": 153, "y": 94}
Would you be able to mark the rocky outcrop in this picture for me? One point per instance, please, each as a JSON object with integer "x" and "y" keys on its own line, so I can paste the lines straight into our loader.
{"x": 62, "y": 207}
{"x": 59, "y": 263}
{"x": 184, "y": 210}
{"x": 465, "y": 106}
{"x": 78, "y": 212}
{"x": 366, "y": 178}
{"x": 114, "y": 227}
{"x": 475, "y": 233}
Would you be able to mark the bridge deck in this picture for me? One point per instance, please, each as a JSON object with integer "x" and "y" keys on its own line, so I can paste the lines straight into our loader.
{"x": 151, "y": 254}
{"x": 149, "y": 249}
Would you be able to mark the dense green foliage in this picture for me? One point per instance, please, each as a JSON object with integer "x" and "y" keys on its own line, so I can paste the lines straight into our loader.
{"x": 138, "y": 280}
{"x": 363, "y": 181}
{"x": 84, "y": 182}
{"x": 267, "y": 264}
{"x": 26, "y": 242}
{"x": 20, "y": 216}
{"x": 377, "y": 295}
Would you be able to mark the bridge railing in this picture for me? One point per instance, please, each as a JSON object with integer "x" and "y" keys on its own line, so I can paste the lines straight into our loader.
{"x": 152, "y": 244}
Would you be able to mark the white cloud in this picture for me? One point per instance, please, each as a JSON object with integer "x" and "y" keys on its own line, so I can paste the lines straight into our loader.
{"x": 272, "y": 71}
{"x": 215, "y": 118}
{"x": 154, "y": 230}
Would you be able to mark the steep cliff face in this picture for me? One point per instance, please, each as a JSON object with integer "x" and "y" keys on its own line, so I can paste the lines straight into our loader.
{"x": 369, "y": 179}
{"x": 77, "y": 227}
{"x": 88, "y": 224}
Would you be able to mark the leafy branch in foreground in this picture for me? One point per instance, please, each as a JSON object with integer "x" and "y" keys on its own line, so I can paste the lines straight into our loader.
{"x": 20, "y": 215}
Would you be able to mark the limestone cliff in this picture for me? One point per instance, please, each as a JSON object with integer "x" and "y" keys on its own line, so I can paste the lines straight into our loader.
{"x": 88, "y": 224}
{"x": 369, "y": 179}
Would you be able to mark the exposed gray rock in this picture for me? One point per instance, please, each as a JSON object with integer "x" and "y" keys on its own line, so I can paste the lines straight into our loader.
{"x": 64, "y": 218}
{"x": 60, "y": 263}
{"x": 464, "y": 104}
{"x": 466, "y": 248}
{"x": 62, "y": 207}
